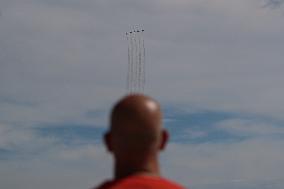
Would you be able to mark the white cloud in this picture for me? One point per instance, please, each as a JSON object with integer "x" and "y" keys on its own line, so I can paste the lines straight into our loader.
{"x": 257, "y": 161}
{"x": 273, "y": 3}
{"x": 61, "y": 59}
{"x": 43, "y": 162}
{"x": 246, "y": 127}
{"x": 55, "y": 58}
{"x": 196, "y": 134}
{"x": 77, "y": 153}
{"x": 22, "y": 140}
{"x": 68, "y": 57}
{"x": 243, "y": 165}
{"x": 56, "y": 172}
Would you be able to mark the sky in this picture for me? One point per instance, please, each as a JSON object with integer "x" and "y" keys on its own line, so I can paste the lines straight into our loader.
{"x": 215, "y": 66}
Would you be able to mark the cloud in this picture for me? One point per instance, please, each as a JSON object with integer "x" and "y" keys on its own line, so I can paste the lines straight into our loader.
{"x": 30, "y": 159}
{"x": 273, "y": 3}
{"x": 243, "y": 165}
{"x": 60, "y": 73}
{"x": 64, "y": 63}
{"x": 248, "y": 127}
{"x": 196, "y": 134}
{"x": 22, "y": 142}
{"x": 247, "y": 164}
{"x": 70, "y": 168}
{"x": 67, "y": 58}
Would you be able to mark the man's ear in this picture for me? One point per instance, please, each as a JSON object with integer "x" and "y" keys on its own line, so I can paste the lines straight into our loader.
{"x": 107, "y": 141}
{"x": 164, "y": 140}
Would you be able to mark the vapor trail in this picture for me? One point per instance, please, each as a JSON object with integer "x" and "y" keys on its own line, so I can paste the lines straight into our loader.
{"x": 139, "y": 62}
{"x": 129, "y": 61}
{"x": 143, "y": 64}
{"x": 132, "y": 63}
{"x": 136, "y": 61}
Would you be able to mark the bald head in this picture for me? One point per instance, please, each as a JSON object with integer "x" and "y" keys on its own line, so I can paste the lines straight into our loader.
{"x": 136, "y": 135}
{"x": 136, "y": 125}
{"x": 136, "y": 112}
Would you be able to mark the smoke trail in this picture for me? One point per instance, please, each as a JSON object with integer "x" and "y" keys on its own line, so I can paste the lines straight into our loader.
{"x": 136, "y": 61}
{"x": 139, "y": 62}
{"x": 129, "y": 61}
{"x": 143, "y": 64}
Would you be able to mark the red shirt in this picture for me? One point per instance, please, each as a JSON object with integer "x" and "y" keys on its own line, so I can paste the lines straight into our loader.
{"x": 140, "y": 182}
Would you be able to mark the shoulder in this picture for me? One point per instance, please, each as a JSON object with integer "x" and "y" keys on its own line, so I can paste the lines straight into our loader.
{"x": 141, "y": 182}
{"x": 165, "y": 183}
{"x": 105, "y": 185}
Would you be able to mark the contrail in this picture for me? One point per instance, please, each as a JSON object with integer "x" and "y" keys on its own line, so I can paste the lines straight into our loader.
{"x": 129, "y": 61}
{"x": 136, "y": 79}
{"x": 143, "y": 66}
{"x": 132, "y": 59}
{"x": 136, "y": 61}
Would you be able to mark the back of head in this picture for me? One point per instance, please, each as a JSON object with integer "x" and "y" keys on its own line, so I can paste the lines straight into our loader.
{"x": 135, "y": 138}
{"x": 136, "y": 125}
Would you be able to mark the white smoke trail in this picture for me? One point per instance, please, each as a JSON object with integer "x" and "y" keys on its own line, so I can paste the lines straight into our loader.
{"x": 132, "y": 50}
{"x": 136, "y": 61}
{"x": 143, "y": 64}
{"x": 139, "y": 62}
{"x": 129, "y": 61}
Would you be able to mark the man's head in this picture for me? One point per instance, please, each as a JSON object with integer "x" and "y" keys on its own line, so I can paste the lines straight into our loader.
{"x": 136, "y": 129}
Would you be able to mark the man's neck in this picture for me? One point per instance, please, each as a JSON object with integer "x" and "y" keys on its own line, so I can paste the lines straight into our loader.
{"x": 146, "y": 168}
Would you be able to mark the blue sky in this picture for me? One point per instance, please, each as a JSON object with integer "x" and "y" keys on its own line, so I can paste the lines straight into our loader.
{"x": 215, "y": 66}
